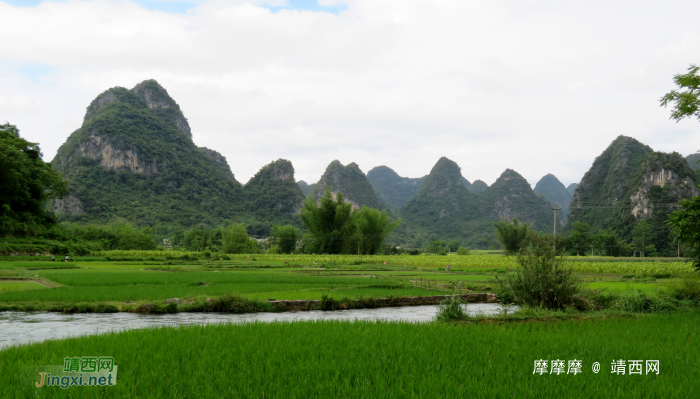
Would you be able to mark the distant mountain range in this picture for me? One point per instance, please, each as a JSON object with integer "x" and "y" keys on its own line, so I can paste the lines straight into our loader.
{"x": 134, "y": 158}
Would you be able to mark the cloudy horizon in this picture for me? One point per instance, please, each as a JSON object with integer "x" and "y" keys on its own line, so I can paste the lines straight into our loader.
{"x": 538, "y": 87}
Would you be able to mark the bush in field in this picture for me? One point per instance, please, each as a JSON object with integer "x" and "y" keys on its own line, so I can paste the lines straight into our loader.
{"x": 511, "y": 235}
{"x": 451, "y": 308}
{"x": 536, "y": 283}
{"x": 285, "y": 238}
{"x": 462, "y": 251}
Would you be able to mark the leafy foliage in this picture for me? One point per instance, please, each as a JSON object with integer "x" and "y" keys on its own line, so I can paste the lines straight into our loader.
{"x": 285, "y": 237}
{"x": 685, "y": 99}
{"x": 685, "y": 222}
{"x": 511, "y": 235}
{"x": 329, "y": 223}
{"x": 373, "y": 226}
{"x": 236, "y": 240}
{"x": 26, "y": 183}
{"x": 537, "y": 283}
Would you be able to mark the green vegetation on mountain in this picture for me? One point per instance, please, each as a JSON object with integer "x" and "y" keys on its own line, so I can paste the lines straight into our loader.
{"x": 478, "y": 187}
{"x": 444, "y": 208}
{"x": 273, "y": 197}
{"x": 628, "y": 184}
{"x": 26, "y": 183}
{"x": 351, "y": 182}
{"x": 395, "y": 190}
{"x": 511, "y": 197}
{"x": 693, "y": 160}
{"x": 607, "y": 183}
{"x": 305, "y": 187}
{"x": 554, "y": 191}
{"x": 133, "y": 158}
{"x": 571, "y": 188}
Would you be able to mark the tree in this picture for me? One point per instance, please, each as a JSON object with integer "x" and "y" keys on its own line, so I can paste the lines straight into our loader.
{"x": 580, "y": 238}
{"x": 236, "y": 240}
{"x": 285, "y": 237}
{"x": 435, "y": 247}
{"x": 641, "y": 236}
{"x": 373, "y": 226}
{"x": 26, "y": 183}
{"x": 685, "y": 222}
{"x": 511, "y": 235}
{"x": 330, "y": 224}
{"x": 453, "y": 245}
{"x": 685, "y": 100}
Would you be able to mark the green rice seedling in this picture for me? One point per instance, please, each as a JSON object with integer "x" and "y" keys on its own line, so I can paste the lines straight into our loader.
{"x": 377, "y": 360}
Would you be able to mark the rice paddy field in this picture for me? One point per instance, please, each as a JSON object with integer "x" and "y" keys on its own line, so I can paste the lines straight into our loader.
{"x": 125, "y": 278}
{"x": 377, "y": 360}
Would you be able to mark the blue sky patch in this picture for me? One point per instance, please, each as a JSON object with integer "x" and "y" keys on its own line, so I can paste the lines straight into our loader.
{"x": 182, "y": 6}
{"x": 30, "y": 70}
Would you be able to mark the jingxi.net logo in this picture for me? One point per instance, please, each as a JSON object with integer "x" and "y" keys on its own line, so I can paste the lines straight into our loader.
{"x": 79, "y": 371}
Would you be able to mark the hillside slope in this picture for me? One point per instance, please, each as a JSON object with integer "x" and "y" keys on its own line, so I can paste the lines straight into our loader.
{"x": 133, "y": 158}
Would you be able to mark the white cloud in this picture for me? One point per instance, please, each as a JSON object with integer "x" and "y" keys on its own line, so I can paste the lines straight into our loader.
{"x": 539, "y": 87}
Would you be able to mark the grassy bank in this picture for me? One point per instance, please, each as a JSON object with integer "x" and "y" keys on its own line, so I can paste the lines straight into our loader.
{"x": 336, "y": 359}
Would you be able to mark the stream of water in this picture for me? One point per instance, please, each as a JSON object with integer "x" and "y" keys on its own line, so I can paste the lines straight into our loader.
{"x": 26, "y": 327}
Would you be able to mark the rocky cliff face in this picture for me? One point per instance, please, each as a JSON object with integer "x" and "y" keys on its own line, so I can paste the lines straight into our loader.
{"x": 113, "y": 154}
{"x": 350, "y": 181}
{"x": 68, "y": 206}
{"x": 667, "y": 172}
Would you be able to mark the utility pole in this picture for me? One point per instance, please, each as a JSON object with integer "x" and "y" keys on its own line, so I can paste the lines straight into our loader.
{"x": 554, "y": 241}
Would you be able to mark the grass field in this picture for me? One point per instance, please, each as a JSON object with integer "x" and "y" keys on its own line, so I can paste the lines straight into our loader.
{"x": 377, "y": 360}
{"x": 141, "y": 278}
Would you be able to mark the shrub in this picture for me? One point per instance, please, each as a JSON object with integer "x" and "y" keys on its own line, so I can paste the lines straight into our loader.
{"x": 328, "y": 303}
{"x": 537, "y": 283}
{"x": 462, "y": 251}
{"x": 451, "y": 308}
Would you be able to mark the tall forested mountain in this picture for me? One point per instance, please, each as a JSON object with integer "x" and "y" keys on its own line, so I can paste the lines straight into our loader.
{"x": 445, "y": 208}
{"x": 607, "y": 182}
{"x": 305, "y": 187}
{"x": 478, "y": 187}
{"x": 133, "y": 157}
{"x": 395, "y": 190}
{"x": 272, "y": 195}
{"x": 351, "y": 182}
{"x": 629, "y": 183}
{"x": 571, "y": 188}
{"x": 511, "y": 197}
{"x": 693, "y": 160}
{"x": 554, "y": 191}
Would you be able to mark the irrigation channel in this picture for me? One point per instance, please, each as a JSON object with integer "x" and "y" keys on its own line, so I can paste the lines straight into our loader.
{"x": 26, "y": 327}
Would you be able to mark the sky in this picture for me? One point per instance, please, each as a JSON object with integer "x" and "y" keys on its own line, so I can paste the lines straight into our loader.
{"x": 534, "y": 86}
